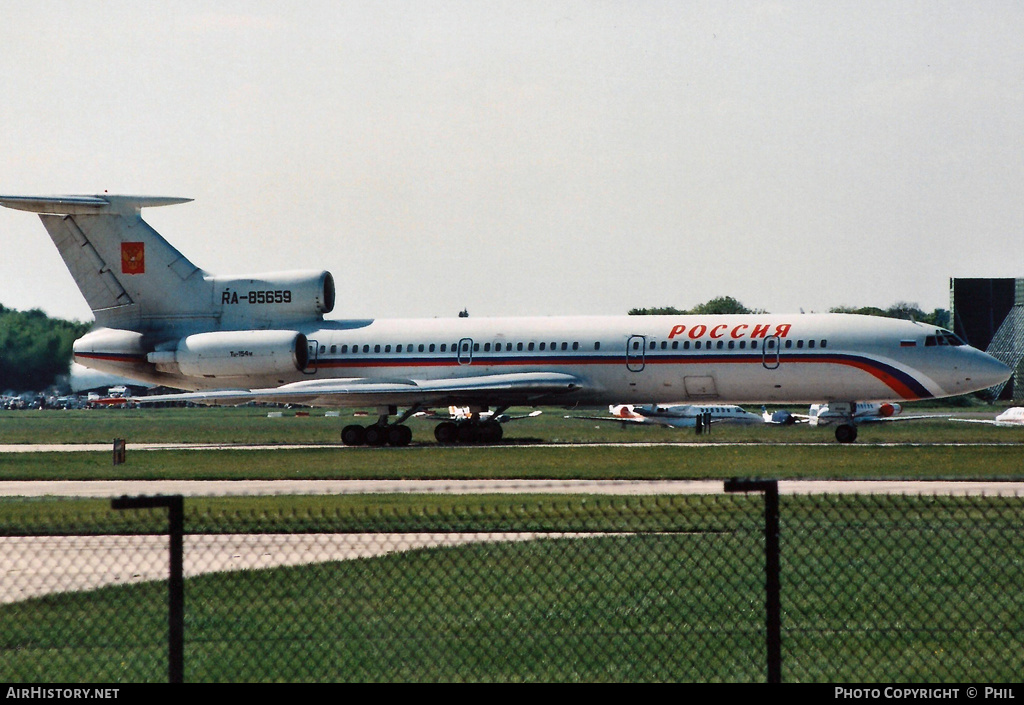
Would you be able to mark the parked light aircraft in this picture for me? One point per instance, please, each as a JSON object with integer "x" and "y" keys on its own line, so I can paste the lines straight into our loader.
{"x": 863, "y": 412}
{"x": 160, "y": 319}
{"x": 1014, "y": 416}
{"x": 675, "y": 415}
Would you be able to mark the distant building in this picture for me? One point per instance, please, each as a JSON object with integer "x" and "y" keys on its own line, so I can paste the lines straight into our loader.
{"x": 989, "y": 314}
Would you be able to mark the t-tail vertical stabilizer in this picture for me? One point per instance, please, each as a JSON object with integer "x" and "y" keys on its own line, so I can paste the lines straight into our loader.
{"x": 130, "y": 276}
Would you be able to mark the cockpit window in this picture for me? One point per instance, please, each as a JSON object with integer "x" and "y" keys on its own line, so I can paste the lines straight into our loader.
{"x": 943, "y": 337}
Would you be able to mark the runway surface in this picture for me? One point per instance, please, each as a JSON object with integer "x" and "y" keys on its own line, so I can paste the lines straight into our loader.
{"x": 226, "y": 488}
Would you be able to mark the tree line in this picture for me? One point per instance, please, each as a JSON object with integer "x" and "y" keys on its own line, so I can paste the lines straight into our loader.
{"x": 727, "y": 304}
{"x": 35, "y": 350}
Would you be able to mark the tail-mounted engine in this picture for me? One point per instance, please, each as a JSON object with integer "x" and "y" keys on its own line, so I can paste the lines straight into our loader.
{"x": 266, "y": 298}
{"x": 235, "y": 354}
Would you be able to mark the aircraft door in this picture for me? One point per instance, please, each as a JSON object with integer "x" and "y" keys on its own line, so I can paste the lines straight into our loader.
{"x": 465, "y": 351}
{"x": 636, "y": 350}
{"x": 770, "y": 352}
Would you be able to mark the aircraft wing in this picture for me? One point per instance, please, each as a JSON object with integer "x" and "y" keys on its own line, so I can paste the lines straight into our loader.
{"x": 894, "y": 419}
{"x": 616, "y": 419}
{"x": 532, "y": 414}
{"x": 679, "y": 422}
{"x": 990, "y": 422}
{"x": 501, "y": 418}
{"x": 512, "y": 388}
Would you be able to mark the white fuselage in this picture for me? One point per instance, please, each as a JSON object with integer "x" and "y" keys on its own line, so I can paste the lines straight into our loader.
{"x": 757, "y": 358}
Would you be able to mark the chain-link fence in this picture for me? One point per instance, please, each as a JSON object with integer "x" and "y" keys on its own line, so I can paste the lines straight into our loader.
{"x": 515, "y": 588}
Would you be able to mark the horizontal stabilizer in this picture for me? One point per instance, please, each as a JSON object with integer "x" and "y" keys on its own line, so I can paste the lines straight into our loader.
{"x": 82, "y": 205}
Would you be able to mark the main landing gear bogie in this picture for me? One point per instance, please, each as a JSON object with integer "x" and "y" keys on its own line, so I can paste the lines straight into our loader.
{"x": 376, "y": 435}
{"x": 446, "y": 433}
{"x": 451, "y": 432}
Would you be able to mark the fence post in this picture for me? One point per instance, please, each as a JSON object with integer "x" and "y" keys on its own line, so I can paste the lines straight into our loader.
{"x": 773, "y": 599}
{"x": 119, "y": 451}
{"x": 175, "y": 506}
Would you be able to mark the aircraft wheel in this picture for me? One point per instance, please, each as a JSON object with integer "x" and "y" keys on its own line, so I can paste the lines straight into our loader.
{"x": 468, "y": 432}
{"x": 399, "y": 435}
{"x": 446, "y": 432}
{"x": 490, "y": 432}
{"x": 376, "y": 435}
{"x": 846, "y": 433}
{"x": 353, "y": 435}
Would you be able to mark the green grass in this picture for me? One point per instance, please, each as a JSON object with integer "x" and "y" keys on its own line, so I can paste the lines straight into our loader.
{"x": 1000, "y": 462}
{"x": 251, "y": 425}
{"x": 905, "y": 450}
{"x": 902, "y": 589}
{"x": 682, "y": 600}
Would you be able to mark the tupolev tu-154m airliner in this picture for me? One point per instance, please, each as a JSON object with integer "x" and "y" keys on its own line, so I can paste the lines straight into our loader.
{"x": 162, "y": 320}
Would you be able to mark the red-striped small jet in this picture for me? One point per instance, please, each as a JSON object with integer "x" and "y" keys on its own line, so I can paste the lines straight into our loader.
{"x": 162, "y": 320}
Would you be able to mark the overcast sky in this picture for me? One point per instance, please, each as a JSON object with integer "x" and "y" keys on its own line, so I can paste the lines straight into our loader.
{"x": 531, "y": 157}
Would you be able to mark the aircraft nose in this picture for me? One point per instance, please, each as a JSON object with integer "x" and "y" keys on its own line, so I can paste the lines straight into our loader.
{"x": 986, "y": 371}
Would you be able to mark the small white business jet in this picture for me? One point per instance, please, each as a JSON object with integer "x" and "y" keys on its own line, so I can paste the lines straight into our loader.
{"x": 162, "y": 320}
{"x": 675, "y": 415}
